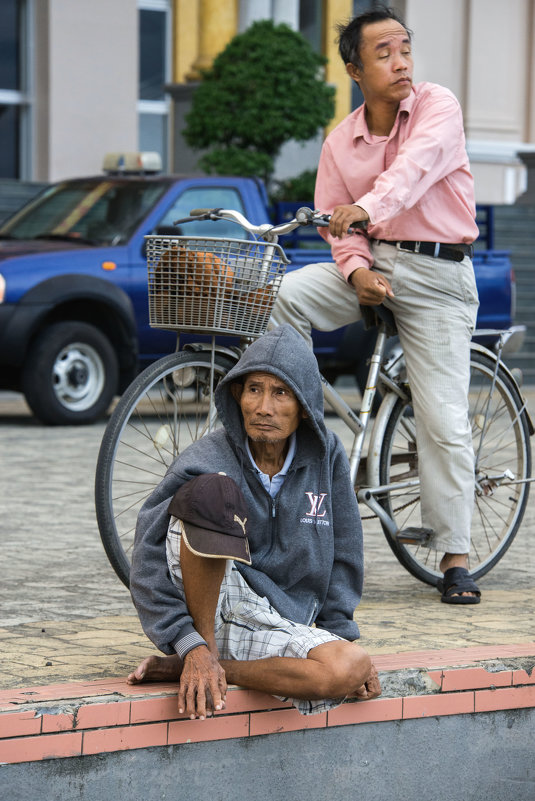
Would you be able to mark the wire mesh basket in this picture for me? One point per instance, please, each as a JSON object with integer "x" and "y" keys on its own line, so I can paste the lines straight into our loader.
{"x": 211, "y": 285}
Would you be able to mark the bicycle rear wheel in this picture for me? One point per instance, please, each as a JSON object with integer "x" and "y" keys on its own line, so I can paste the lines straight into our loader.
{"x": 166, "y": 408}
{"x": 501, "y": 443}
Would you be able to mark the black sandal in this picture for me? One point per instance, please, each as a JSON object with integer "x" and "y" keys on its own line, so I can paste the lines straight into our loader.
{"x": 455, "y": 581}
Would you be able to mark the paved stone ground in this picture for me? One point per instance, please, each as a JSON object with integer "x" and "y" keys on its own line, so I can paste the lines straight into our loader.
{"x": 65, "y": 616}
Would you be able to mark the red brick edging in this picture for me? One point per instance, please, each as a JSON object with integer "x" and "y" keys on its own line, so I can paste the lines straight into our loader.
{"x": 60, "y": 721}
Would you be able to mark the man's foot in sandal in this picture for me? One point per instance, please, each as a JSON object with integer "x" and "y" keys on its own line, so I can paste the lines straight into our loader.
{"x": 458, "y": 587}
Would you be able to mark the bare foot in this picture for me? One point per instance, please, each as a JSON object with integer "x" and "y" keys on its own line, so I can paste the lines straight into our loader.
{"x": 371, "y": 687}
{"x": 156, "y": 668}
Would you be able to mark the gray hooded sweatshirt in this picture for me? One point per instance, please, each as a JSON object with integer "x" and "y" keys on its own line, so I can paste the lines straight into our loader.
{"x": 305, "y": 544}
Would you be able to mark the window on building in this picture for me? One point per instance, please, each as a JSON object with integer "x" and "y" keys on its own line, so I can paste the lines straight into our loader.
{"x": 13, "y": 105}
{"x": 310, "y": 22}
{"x": 154, "y": 73}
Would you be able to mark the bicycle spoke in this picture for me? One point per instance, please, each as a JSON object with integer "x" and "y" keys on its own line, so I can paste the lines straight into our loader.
{"x": 165, "y": 413}
{"x": 501, "y": 439}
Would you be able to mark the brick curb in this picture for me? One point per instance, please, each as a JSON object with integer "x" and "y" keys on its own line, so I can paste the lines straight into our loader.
{"x": 82, "y": 718}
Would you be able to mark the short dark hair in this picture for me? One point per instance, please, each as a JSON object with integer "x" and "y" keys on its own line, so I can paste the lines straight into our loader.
{"x": 350, "y": 33}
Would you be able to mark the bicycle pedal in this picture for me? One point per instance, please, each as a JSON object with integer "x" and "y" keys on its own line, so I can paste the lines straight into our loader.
{"x": 414, "y": 535}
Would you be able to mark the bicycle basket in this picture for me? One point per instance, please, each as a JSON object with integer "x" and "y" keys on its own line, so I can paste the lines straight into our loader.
{"x": 211, "y": 285}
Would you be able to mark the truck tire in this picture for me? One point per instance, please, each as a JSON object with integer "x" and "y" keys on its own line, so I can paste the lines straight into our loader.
{"x": 70, "y": 374}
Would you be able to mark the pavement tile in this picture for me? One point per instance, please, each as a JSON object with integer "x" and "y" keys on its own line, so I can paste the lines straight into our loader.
{"x": 26, "y": 659}
{"x": 523, "y": 677}
{"x": 59, "y": 721}
{"x": 241, "y": 700}
{"x": 124, "y": 738}
{"x": 507, "y": 698}
{"x": 99, "y": 715}
{"x": 285, "y": 720}
{"x": 151, "y": 709}
{"x": 431, "y": 705}
{"x": 475, "y": 678}
{"x": 19, "y": 724}
{"x": 380, "y": 709}
{"x": 193, "y": 731}
{"x": 30, "y": 749}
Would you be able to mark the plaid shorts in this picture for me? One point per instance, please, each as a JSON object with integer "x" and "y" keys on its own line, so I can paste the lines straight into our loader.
{"x": 247, "y": 626}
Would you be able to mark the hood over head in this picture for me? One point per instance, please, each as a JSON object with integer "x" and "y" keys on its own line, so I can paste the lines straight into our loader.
{"x": 283, "y": 353}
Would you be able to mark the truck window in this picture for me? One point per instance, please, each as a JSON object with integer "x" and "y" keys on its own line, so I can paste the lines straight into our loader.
{"x": 103, "y": 211}
{"x": 206, "y": 197}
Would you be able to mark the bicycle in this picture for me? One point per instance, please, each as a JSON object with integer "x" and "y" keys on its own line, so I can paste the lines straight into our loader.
{"x": 228, "y": 287}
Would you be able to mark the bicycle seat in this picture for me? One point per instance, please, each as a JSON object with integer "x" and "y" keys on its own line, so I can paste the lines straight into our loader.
{"x": 373, "y": 315}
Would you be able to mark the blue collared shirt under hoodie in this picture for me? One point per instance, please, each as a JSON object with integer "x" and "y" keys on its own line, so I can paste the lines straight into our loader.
{"x": 273, "y": 485}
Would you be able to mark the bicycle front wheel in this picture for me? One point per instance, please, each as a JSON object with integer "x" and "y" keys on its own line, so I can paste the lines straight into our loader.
{"x": 502, "y": 450}
{"x": 167, "y": 407}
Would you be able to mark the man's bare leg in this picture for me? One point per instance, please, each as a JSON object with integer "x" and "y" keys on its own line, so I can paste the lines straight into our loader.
{"x": 333, "y": 670}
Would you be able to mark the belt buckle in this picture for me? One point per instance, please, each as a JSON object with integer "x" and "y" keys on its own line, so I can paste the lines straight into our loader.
{"x": 417, "y": 247}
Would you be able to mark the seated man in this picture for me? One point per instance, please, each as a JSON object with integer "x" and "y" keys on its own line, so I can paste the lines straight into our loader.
{"x": 237, "y": 608}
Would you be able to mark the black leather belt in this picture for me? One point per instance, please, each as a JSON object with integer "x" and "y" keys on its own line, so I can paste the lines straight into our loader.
{"x": 435, "y": 249}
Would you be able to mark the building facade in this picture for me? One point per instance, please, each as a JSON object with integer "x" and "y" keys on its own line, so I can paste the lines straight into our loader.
{"x": 81, "y": 79}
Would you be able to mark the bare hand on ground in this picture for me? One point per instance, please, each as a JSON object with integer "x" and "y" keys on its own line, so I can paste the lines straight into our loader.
{"x": 371, "y": 288}
{"x": 202, "y": 686}
{"x": 343, "y": 217}
{"x": 371, "y": 687}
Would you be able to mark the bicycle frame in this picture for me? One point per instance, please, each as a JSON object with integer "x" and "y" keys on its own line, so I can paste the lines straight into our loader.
{"x": 359, "y": 425}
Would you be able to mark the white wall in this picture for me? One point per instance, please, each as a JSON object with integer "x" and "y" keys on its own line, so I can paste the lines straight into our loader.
{"x": 483, "y": 51}
{"x": 497, "y": 70}
{"x": 439, "y": 42}
{"x": 280, "y": 11}
{"x": 88, "y": 97}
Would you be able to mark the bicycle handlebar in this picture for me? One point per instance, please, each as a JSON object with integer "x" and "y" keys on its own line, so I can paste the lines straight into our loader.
{"x": 303, "y": 217}
{"x": 203, "y": 212}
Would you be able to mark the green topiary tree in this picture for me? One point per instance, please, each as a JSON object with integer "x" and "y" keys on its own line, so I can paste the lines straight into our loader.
{"x": 297, "y": 188}
{"x": 265, "y": 88}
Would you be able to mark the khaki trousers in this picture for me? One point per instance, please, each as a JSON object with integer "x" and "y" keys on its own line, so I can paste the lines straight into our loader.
{"x": 435, "y": 308}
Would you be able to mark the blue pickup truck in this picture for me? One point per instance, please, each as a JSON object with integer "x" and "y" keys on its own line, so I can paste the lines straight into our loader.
{"x": 74, "y": 326}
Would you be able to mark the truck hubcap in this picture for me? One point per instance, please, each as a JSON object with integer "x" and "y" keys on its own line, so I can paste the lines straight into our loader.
{"x": 78, "y": 376}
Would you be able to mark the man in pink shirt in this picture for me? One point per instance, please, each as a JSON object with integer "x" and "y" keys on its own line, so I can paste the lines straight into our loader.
{"x": 399, "y": 163}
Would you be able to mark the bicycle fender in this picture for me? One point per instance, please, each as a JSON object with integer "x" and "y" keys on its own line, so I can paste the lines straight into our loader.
{"x": 494, "y": 357}
{"x": 231, "y": 353}
{"x": 376, "y": 438}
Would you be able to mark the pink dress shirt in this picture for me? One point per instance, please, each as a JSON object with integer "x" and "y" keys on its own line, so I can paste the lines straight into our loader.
{"x": 415, "y": 184}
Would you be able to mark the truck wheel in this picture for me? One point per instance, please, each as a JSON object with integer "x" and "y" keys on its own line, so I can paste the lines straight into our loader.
{"x": 70, "y": 375}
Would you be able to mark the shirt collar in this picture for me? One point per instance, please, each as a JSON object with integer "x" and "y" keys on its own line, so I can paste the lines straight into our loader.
{"x": 287, "y": 462}
{"x": 360, "y": 126}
